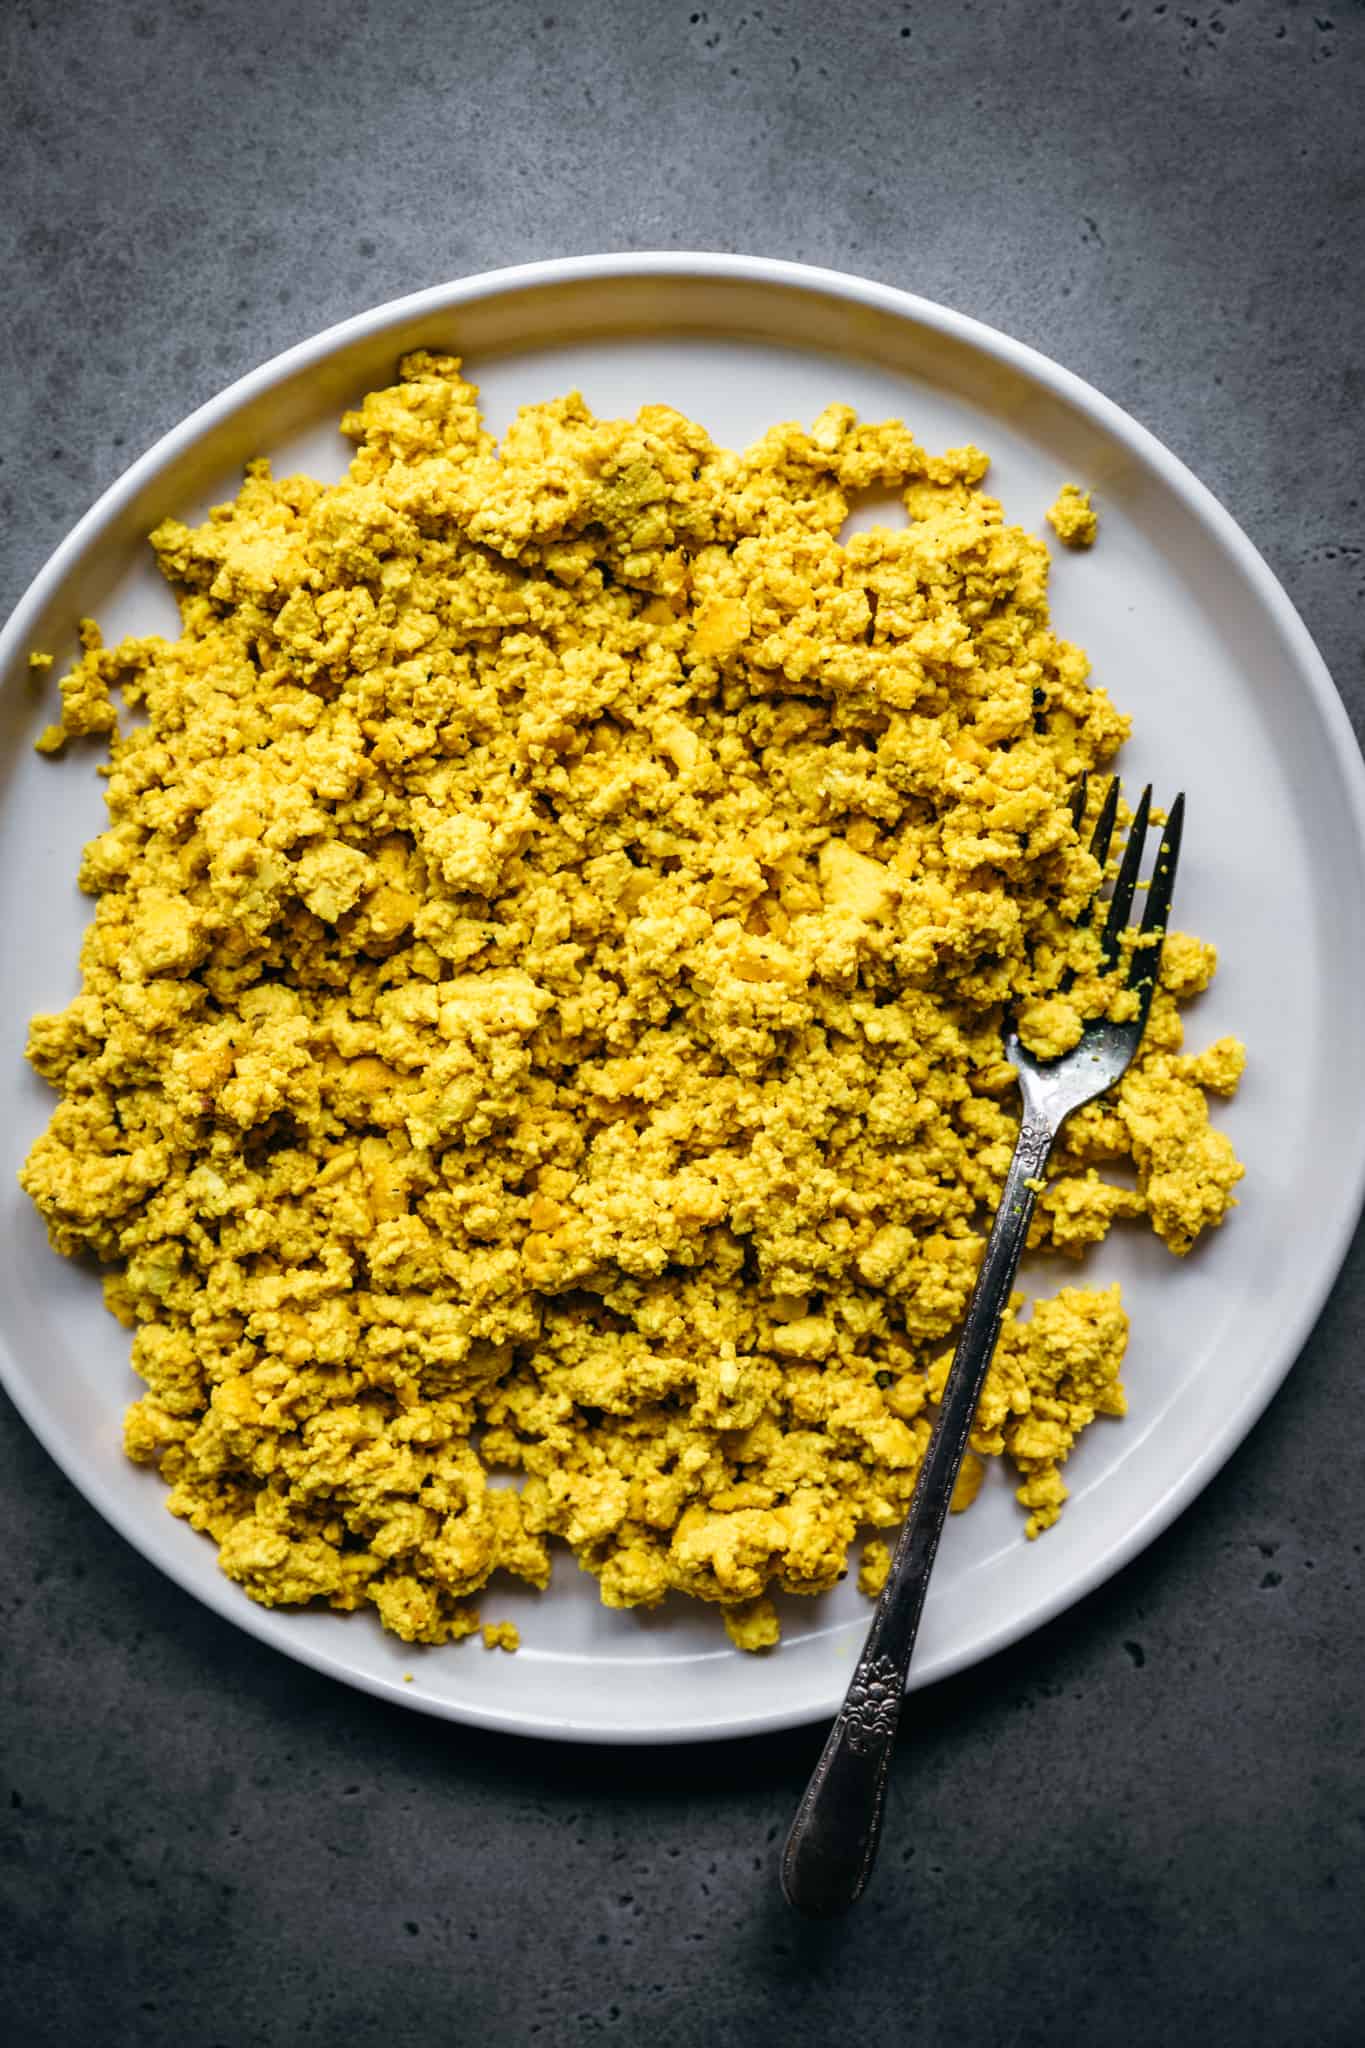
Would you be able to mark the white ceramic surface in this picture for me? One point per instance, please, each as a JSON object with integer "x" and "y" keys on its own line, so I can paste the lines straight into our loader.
{"x": 1188, "y": 630}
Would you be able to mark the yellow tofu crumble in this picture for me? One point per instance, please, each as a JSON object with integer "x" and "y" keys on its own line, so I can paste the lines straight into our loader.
{"x": 541, "y": 1015}
{"x": 1073, "y": 518}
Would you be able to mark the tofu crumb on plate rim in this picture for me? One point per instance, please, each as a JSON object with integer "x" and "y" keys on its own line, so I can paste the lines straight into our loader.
{"x": 704, "y": 314}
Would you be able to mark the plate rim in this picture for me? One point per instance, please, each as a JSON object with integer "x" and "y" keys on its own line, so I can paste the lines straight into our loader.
{"x": 1333, "y": 1243}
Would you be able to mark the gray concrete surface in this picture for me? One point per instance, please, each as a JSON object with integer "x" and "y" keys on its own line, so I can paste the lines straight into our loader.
{"x": 1148, "y": 1823}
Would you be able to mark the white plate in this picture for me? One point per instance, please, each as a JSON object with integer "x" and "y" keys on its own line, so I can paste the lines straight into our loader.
{"x": 1188, "y": 630}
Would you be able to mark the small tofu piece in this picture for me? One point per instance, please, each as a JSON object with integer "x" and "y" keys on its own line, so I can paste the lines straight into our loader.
{"x": 1073, "y": 518}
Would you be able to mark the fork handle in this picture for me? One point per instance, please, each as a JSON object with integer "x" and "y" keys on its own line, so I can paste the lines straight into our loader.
{"x": 833, "y": 1841}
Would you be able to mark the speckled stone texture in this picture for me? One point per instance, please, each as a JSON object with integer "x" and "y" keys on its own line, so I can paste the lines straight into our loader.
{"x": 1147, "y": 1823}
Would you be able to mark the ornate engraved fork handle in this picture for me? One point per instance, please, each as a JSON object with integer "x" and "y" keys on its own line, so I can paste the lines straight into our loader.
{"x": 833, "y": 1841}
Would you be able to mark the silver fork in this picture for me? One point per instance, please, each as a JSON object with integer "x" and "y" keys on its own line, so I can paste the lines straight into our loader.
{"x": 833, "y": 1841}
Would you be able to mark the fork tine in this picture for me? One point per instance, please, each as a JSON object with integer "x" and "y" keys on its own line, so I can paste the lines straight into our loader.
{"x": 1080, "y": 799}
{"x": 1099, "y": 850}
{"x": 1104, "y": 824}
{"x": 1121, "y": 902}
{"x": 1146, "y": 960}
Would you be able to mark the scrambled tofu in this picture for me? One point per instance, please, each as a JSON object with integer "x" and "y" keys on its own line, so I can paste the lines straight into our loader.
{"x": 1073, "y": 518}
{"x": 537, "y": 1072}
